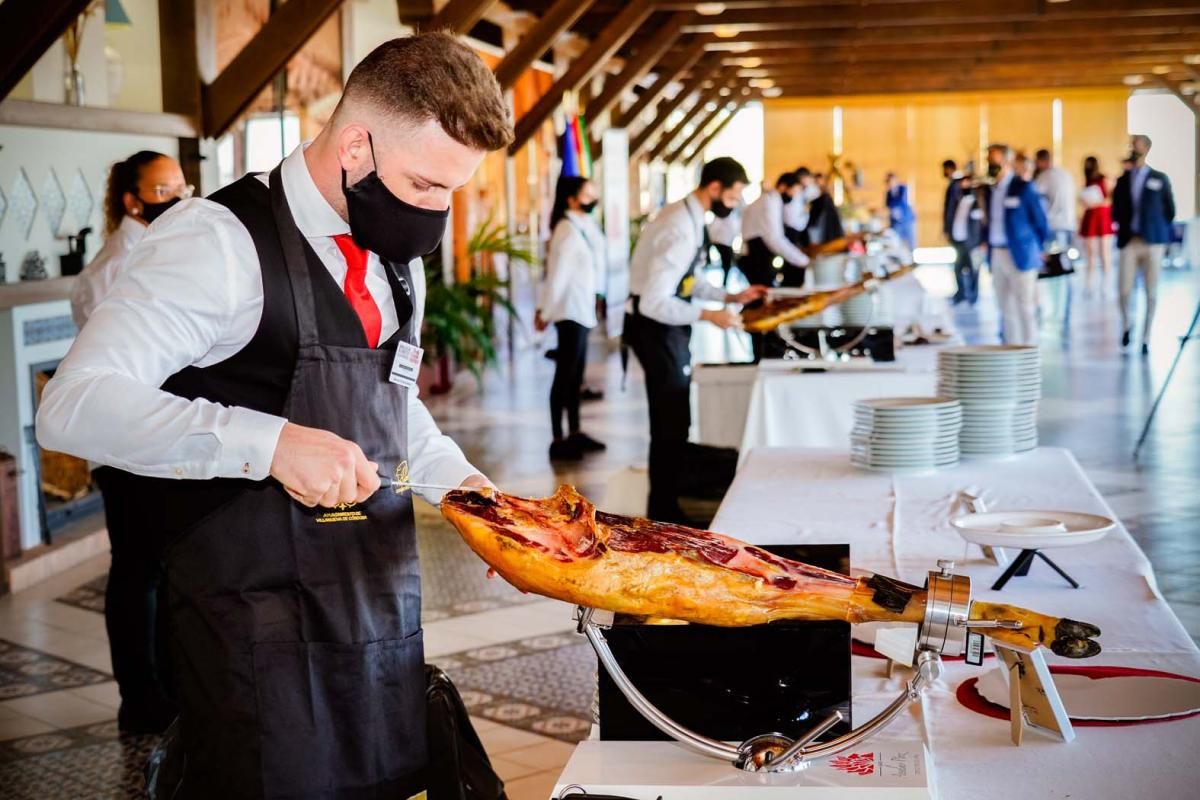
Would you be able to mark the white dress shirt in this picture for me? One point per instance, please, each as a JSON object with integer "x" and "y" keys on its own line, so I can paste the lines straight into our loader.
{"x": 724, "y": 230}
{"x": 1058, "y": 188}
{"x": 764, "y": 220}
{"x": 795, "y": 213}
{"x": 959, "y": 228}
{"x": 569, "y": 291}
{"x": 666, "y": 252}
{"x": 997, "y": 235}
{"x": 1137, "y": 182}
{"x": 96, "y": 280}
{"x": 192, "y": 294}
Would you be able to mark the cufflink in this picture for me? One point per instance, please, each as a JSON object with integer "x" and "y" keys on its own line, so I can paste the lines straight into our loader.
{"x": 246, "y": 468}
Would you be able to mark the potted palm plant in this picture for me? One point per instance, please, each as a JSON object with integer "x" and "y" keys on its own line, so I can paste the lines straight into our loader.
{"x": 459, "y": 324}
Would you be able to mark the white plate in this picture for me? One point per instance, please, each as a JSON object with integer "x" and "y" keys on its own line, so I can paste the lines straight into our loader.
{"x": 989, "y": 350}
{"x": 1114, "y": 698}
{"x": 1032, "y": 529}
{"x": 890, "y": 403}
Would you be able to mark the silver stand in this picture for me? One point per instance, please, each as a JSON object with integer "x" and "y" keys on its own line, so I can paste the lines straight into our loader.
{"x": 823, "y": 351}
{"x": 943, "y": 630}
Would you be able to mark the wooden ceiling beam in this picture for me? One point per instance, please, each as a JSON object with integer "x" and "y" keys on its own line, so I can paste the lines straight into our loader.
{"x": 698, "y": 150}
{"x": 284, "y": 33}
{"x": 581, "y": 70}
{"x": 739, "y": 6}
{"x": 698, "y": 130}
{"x": 914, "y": 85}
{"x": 27, "y": 30}
{"x": 1169, "y": 47}
{"x": 833, "y": 31}
{"x": 458, "y": 16}
{"x": 978, "y": 12}
{"x": 638, "y": 65}
{"x": 666, "y": 77}
{"x": 655, "y": 91}
{"x": 709, "y": 95}
{"x": 667, "y": 107}
{"x": 1105, "y": 63}
{"x": 540, "y": 38}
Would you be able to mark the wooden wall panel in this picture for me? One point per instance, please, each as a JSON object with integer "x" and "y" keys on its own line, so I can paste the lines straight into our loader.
{"x": 1092, "y": 127}
{"x": 796, "y": 135}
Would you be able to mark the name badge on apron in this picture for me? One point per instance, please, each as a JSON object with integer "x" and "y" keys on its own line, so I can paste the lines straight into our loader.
{"x": 406, "y": 365}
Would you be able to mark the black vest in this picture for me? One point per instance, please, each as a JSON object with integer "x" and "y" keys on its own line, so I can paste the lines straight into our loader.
{"x": 259, "y": 375}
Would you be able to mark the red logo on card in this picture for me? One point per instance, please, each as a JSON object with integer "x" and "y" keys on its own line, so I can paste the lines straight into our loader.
{"x": 855, "y": 763}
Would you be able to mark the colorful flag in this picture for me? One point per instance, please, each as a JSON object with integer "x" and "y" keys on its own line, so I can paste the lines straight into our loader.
{"x": 570, "y": 152}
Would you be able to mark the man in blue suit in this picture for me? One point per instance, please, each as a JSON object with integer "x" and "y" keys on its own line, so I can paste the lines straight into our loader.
{"x": 1143, "y": 210}
{"x": 1016, "y": 234}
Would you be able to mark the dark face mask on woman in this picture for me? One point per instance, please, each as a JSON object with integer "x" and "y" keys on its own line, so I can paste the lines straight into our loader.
{"x": 719, "y": 209}
{"x": 386, "y": 225}
{"x": 152, "y": 211}
{"x": 589, "y": 207}
{"x": 787, "y": 198}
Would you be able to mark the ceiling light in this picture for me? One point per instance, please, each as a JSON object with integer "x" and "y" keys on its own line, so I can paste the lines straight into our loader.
{"x": 1161, "y": 69}
{"x": 750, "y": 63}
{"x": 740, "y": 47}
{"x": 1133, "y": 80}
{"x": 774, "y": 91}
{"x": 745, "y": 90}
{"x": 725, "y": 31}
{"x": 724, "y": 92}
{"x": 762, "y": 83}
{"x": 1194, "y": 58}
{"x": 753, "y": 73}
{"x": 1058, "y": 1}
{"x": 1187, "y": 88}
{"x": 710, "y": 9}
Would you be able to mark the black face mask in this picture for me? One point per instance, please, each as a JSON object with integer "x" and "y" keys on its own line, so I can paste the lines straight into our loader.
{"x": 993, "y": 170}
{"x": 719, "y": 209}
{"x": 386, "y": 225}
{"x": 152, "y": 211}
{"x": 785, "y": 197}
{"x": 588, "y": 208}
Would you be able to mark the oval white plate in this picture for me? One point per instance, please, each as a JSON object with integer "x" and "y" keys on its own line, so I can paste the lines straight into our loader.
{"x": 1032, "y": 529}
{"x": 1116, "y": 698}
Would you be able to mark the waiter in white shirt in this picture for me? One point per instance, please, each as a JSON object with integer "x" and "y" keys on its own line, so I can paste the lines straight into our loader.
{"x": 764, "y": 239}
{"x": 258, "y": 364}
{"x": 140, "y": 189}
{"x": 795, "y": 215}
{"x": 1057, "y": 188}
{"x": 659, "y": 321}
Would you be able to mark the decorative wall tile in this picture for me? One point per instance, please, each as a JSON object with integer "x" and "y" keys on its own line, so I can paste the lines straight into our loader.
{"x": 23, "y": 203}
{"x": 54, "y": 201}
{"x": 80, "y": 200}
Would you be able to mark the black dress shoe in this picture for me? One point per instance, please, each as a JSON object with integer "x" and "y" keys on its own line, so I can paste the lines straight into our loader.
{"x": 145, "y": 718}
{"x": 1145, "y": 349}
{"x": 585, "y": 443}
{"x": 1125, "y": 339}
{"x": 565, "y": 450}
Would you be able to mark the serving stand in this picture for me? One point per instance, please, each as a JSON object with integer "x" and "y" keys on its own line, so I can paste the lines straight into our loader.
{"x": 943, "y": 631}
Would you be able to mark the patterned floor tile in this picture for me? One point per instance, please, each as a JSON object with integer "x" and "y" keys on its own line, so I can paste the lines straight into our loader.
{"x": 25, "y": 672}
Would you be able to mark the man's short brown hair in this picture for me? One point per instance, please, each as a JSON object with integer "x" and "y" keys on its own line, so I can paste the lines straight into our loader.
{"x": 434, "y": 76}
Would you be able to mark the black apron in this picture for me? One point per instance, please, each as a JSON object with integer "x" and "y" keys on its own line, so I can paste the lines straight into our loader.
{"x": 665, "y": 354}
{"x": 295, "y": 632}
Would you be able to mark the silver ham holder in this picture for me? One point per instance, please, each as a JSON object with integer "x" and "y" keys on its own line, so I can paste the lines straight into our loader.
{"x": 943, "y": 631}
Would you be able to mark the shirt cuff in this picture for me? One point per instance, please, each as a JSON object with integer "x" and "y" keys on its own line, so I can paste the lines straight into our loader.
{"x": 248, "y": 443}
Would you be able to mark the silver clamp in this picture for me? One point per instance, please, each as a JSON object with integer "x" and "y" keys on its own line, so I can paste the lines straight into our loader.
{"x": 946, "y": 620}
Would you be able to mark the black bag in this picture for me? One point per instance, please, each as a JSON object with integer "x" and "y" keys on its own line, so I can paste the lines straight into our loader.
{"x": 459, "y": 768}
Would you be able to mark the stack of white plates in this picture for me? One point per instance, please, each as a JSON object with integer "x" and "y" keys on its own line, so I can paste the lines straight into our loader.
{"x": 999, "y": 387}
{"x": 905, "y": 434}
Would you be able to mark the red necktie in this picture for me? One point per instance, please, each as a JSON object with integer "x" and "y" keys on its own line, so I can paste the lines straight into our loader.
{"x": 355, "y": 288}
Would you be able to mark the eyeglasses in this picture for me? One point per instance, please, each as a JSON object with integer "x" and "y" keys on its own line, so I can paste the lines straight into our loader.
{"x": 162, "y": 192}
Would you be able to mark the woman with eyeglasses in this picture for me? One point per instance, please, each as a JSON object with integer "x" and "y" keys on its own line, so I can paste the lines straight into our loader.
{"x": 140, "y": 189}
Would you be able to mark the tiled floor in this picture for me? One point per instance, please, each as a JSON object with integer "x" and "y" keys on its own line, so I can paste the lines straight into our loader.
{"x": 523, "y": 677}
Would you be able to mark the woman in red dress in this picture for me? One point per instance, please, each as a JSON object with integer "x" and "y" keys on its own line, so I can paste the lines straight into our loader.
{"x": 1096, "y": 228}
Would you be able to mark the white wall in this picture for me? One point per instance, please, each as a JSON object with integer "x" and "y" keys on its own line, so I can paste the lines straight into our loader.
{"x": 37, "y": 151}
{"x": 372, "y": 22}
{"x": 1172, "y": 128}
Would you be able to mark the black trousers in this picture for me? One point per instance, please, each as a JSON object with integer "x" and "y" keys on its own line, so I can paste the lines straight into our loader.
{"x": 131, "y": 600}
{"x": 966, "y": 274}
{"x": 726, "y": 253}
{"x": 758, "y": 265}
{"x": 570, "y": 358}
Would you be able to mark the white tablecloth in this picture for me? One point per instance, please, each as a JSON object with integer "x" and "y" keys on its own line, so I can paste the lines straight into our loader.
{"x": 777, "y": 405}
{"x": 899, "y": 526}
